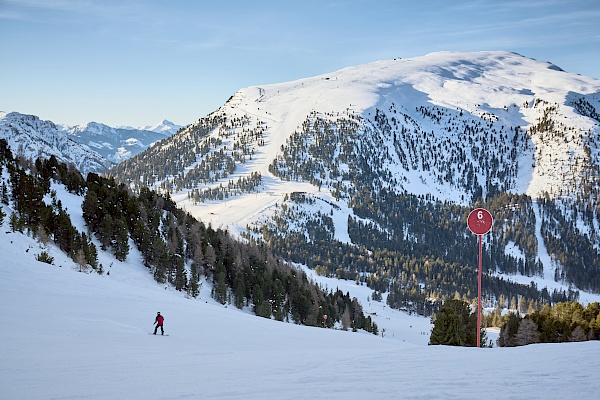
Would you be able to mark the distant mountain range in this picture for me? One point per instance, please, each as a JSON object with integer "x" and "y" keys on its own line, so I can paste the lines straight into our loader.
{"x": 30, "y": 137}
{"x": 121, "y": 143}
{"x": 93, "y": 147}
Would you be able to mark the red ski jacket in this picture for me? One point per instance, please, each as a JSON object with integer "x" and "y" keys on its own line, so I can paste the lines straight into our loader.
{"x": 160, "y": 319}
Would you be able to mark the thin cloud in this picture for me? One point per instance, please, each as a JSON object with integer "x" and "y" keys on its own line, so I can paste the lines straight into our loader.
{"x": 73, "y": 11}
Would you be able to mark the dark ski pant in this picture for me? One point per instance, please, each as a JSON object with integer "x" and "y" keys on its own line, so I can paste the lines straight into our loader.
{"x": 162, "y": 331}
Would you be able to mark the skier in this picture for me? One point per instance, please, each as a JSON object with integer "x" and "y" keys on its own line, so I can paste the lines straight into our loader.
{"x": 158, "y": 321}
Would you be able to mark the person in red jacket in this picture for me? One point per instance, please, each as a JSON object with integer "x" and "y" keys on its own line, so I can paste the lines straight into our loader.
{"x": 159, "y": 322}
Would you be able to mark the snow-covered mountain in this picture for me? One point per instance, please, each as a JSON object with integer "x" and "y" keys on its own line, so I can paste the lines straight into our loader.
{"x": 31, "y": 137}
{"x": 165, "y": 127}
{"x": 93, "y": 147}
{"x": 118, "y": 144}
{"x": 423, "y": 118}
{"x": 359, "y": 156}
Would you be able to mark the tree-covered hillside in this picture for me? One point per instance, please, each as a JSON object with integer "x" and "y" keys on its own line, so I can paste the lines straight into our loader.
{"x": 177, "y": 249}
{"x": 417, "y": 247}
{"x": 372, "y": 171}
{"x": 393, "y": 252}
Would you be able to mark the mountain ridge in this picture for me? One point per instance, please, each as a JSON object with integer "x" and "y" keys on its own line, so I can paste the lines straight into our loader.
{"x": 32, "y": 137}
{"x": 375, "y": 90}
{"x": 118, "y": 144}
{"x": 93, "y": 147}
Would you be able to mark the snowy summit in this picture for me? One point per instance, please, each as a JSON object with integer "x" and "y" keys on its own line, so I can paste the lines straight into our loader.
{"x": 448, "y": 102}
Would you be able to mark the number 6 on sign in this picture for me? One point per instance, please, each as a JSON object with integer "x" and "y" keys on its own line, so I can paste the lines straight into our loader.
{"x": 480, "y": 221}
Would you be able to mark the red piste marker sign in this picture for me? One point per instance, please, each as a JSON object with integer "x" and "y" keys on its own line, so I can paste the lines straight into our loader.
{"x": 480, "y": 222}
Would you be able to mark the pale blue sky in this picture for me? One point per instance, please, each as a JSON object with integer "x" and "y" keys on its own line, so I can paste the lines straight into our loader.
{"x": 136, "y": 62}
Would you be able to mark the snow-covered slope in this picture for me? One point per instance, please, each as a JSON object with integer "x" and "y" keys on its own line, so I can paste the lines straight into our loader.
{"x": 82, "y": 335}
{"x": 496, "y": 87}
{"x": 77, "y": 335}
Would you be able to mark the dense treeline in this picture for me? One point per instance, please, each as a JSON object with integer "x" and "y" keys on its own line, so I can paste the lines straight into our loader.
{"x": 346, "y": 152}
{"x": 393, "y": 253}
{"x": 243, "y": 184}
{"x": 578, "y": 261}
{"x": 183, "y": 149}
{"x": 176, "y": 248}
{"x": 242, "y": 274}
{"x": 564, "y": 322}
{"x": 28, "y": 185}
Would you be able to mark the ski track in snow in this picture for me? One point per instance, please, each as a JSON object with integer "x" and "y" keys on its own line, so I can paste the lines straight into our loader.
{"x": 80, "y": 335}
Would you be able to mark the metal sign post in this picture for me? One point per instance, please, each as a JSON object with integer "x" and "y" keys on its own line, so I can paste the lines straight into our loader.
{"x": 480, "y": 222}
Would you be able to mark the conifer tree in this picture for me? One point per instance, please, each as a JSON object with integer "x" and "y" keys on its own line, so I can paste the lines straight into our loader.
{"x": 79, "y": 258}
{"x": 455, "y": 325}
{"x": 509, "y": 330}
{"x": 4, "y": 193}
{"x": 120, "y": 240}
{"x": 194, "y": 287}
